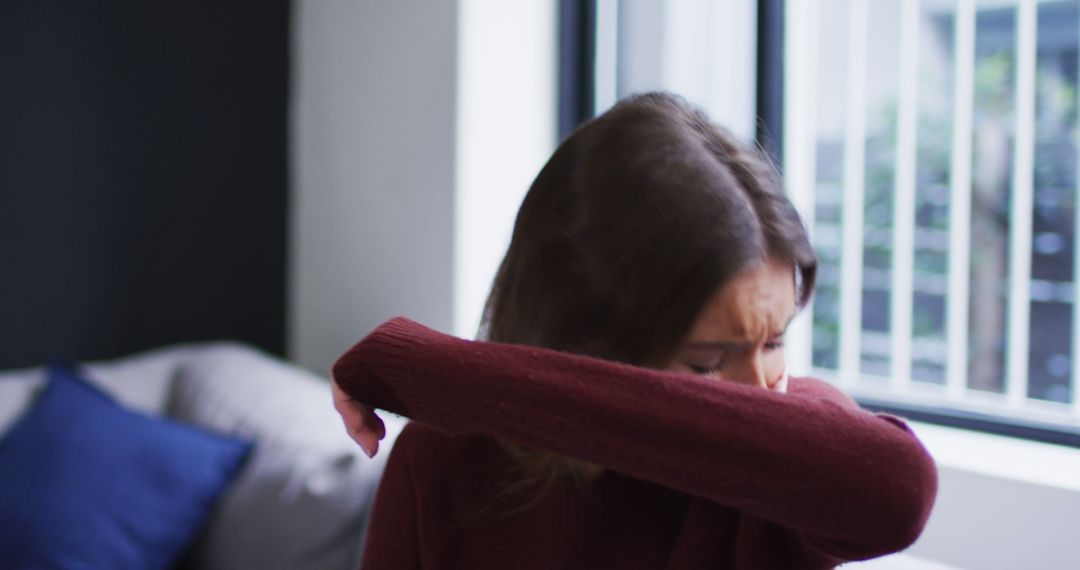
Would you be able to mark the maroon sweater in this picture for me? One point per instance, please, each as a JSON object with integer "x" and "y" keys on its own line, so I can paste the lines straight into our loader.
{"x": 700, "y": 473}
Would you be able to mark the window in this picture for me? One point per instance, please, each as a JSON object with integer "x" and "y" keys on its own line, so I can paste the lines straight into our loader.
{"x": 931, "y": 146}
{"x": 932, "y": 151}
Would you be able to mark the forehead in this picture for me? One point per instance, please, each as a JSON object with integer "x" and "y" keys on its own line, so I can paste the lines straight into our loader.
{"x": 757, "y": 303}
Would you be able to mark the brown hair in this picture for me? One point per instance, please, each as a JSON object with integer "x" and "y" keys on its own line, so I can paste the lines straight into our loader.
{"x": 637, "y": 219}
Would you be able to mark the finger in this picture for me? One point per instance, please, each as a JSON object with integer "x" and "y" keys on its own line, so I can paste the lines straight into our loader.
{"x": 373, "y": 422}
{"x": 373, "y": 430}
{"x": 352, "y": 415}
{"x": 338, "y": 394}
{"x": 362, "y": 424}
{"x": 364, "y": 427}
{"x": 360, "y": 434}
{"x": 367, "y": 441}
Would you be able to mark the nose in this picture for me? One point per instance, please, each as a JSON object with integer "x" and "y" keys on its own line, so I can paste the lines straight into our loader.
{"x": 748, "y": 368}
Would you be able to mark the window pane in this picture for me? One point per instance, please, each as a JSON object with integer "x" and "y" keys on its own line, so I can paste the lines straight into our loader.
{"x": 831, "y": 122}
{"x": 933, "y": 172}
{"x": 882, "y": 113}
{"x": 1055, "y": 189}
{"x": 992, "y": 158}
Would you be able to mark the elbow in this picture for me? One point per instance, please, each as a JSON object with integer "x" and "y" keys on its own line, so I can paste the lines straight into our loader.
{"x": 886, "y": 498}
{"x": 909, "y": 489}
{"x": 909, "y": 501}
{"x": 921, "y": 502}
{"x": 892, "y": 517}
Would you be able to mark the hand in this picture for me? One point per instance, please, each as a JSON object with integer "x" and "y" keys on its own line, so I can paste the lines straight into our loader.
{"x": 361, "y": 423}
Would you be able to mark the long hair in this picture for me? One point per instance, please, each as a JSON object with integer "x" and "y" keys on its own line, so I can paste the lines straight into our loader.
{"x": 637, "y": 219}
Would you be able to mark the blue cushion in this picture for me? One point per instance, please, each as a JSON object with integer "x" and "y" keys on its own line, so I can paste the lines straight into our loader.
{"x": 85, "y": 483}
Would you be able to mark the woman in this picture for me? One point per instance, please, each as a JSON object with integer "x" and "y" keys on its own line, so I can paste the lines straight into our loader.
{"x": 628, "y": 408}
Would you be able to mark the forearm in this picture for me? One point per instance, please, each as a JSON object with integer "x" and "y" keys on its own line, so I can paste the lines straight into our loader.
{"x": 814, "y": 464}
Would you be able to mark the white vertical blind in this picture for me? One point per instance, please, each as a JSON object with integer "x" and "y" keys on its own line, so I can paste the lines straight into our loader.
{"x": 956, "y": 370}
{"x": 733, "y": 57}
{"x": 605, "y": 68}
{"x": 708, "y": 55}
{"x": 851, "y": 260}
{"x": 800, "y": 76}
{"x": 903, "y": 260}
{"x": 687, "y": 37}
{"x": 1020, "y": 216}
{"x": 497, "y": 158}
{"x": 1075, "y": 388}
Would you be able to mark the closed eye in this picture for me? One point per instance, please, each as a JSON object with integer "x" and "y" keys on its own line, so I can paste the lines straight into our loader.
{"x": 705, "y": 371}
{"x": 707, "y": 366}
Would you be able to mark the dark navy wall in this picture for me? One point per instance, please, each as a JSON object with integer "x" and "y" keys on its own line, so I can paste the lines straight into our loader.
{"x": 142, "y": 175}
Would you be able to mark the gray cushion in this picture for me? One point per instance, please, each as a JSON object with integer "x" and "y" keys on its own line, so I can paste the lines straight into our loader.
{"x": 302, "y": 499}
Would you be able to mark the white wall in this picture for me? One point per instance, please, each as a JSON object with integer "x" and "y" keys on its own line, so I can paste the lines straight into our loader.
{"x": 992, "y": 523}
{"x": 417, "y": 127}
{"x": 372, "y": 206}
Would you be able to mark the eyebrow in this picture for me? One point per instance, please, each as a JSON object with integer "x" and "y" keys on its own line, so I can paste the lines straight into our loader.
{"x": 730, "y": 345}
{"x": 716, "y": 345}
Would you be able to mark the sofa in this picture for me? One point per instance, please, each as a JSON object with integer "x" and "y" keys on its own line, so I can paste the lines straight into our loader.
{"x": 299, "y": 497}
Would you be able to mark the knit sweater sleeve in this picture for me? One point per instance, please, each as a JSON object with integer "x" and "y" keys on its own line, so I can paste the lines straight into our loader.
{"x": 852, "y": 484}
{"x": 394, "y": 543}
